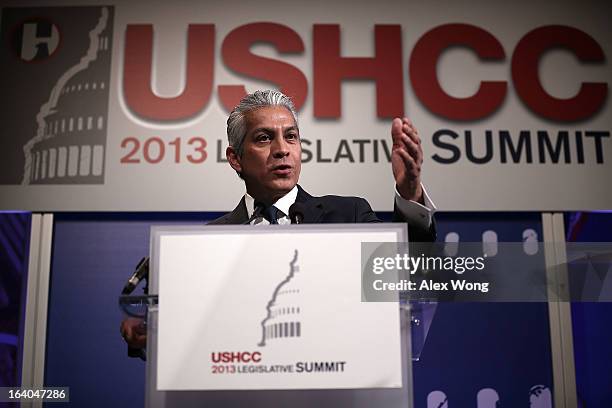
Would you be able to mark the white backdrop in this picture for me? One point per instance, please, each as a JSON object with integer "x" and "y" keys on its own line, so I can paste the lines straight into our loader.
{"x": 170, "y": 182}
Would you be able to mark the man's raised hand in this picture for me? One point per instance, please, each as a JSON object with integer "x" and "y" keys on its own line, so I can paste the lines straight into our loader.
{"x": 407, "y": 159}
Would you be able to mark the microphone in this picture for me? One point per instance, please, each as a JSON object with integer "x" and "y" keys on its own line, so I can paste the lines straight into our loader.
{"x": 257, "y": 212}
{"x": 296, "y": 213}
{"x": 142, "y": 271}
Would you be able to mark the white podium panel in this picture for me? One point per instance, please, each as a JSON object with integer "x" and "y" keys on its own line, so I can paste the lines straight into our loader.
{"x": 271, "y": 308}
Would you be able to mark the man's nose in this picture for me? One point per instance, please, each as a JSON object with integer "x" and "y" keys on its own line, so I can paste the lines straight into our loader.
{"x": 280, "y": 147}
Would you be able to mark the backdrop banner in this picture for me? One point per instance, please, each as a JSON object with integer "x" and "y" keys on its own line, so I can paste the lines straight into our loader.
{"x": 121, "y": 106}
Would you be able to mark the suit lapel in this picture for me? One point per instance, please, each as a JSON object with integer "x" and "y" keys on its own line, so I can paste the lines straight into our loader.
{"x": 313, "y": 208}
{"x": 239, "y": 215}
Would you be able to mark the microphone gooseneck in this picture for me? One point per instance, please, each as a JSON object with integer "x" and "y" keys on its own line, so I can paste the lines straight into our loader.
{"x": 141, "y": 272}
{"x": 296, "y": 213}
{"x": 257, "y": 212}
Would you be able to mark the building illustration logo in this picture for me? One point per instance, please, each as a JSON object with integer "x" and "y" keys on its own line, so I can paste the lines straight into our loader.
{"x": 540, "y": 396}
{"x": 490, "y": 243}
{"x": 57, "y": 129}
{"x": 282, "y": 319}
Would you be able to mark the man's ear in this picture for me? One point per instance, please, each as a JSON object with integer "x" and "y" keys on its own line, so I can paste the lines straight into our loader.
{"x": 233, "y": 159}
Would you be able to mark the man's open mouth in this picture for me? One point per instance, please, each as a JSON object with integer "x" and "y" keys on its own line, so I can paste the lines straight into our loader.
{"x": 281, "y": 169}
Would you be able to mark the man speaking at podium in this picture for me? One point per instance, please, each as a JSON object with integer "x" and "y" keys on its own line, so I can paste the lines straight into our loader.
{"x": 265, "y": 150}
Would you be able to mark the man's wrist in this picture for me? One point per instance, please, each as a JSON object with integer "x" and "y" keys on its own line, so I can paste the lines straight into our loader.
{"x": 416, "y": 195}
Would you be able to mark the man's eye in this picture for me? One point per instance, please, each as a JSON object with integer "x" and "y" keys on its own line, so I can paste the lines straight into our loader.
{"x": 291, "y": 136}
{"x": 262, "y": 138}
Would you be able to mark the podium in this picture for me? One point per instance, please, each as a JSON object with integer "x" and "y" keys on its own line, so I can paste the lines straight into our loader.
{"x": 273, "y": 316}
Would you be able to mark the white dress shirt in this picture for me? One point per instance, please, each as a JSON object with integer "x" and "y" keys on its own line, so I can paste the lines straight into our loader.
{"x": 415, "y": 213}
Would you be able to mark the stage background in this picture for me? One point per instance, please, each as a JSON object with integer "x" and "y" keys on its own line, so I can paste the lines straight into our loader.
{"x": 114, "y": 119}
{"x": 121, "y": 106}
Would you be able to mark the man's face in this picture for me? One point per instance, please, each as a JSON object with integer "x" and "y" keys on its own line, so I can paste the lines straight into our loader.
{"x": 271, "y": 153}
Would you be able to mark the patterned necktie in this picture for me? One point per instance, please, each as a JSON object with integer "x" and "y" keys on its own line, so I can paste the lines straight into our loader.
{"x": 271, "y": 214}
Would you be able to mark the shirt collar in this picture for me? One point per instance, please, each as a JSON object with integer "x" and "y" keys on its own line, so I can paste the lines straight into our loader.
{"x": 282, "y": 203}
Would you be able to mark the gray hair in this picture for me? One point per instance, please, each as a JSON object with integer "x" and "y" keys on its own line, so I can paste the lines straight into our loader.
{"x": 236, "y": 126}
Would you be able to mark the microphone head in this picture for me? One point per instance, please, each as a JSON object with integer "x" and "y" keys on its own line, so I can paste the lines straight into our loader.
{"x": 296, "y": 213}
{"x": 257, "y": 212}
{"x": 259, "y": 208}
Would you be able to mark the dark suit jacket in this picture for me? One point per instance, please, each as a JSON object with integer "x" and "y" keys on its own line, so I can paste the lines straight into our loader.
{"x": 332, "y": 209}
